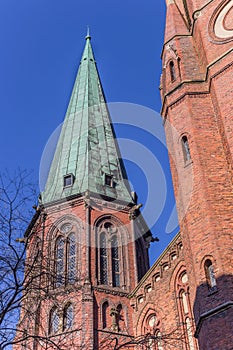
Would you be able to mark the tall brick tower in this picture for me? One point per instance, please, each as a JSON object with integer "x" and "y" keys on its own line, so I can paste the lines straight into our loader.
{"x": 87, "y": 239}
{"x": 197, "y": 108}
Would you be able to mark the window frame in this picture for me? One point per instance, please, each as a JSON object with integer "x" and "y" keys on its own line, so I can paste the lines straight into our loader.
{"x": 110, "y": 228}
{"x": 65, "y": 239}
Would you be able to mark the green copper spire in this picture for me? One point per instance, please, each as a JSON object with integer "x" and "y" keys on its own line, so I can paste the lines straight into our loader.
{"x": 87, "y": 155}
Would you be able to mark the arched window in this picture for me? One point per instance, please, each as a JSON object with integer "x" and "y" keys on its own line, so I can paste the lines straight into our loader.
{"x": 71, "y": 258}
{"x": 172, "y": 71}
{"x": 185, "y": 148}
{"x": 184, "y": 302}
{"x": 53, "y": 321}
{"x": 65, "y": 260}
{"x": 209, "y": 271}
{"x": 68, "y": 317}
{"x": 103, "y": 260}
{"x": 104, "y": 314}
{"x": 185, "y": 311}
{"x": 59, "y": 261}
{"x": 111, "y": 255}
{"x": 115, "y": 263}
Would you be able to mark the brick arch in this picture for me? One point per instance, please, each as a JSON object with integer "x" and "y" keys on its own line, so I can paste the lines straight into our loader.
{"x": 69, "y": 218}
{"x": 114, "y": 219}
{"x": 148, "y": 309}
{"x": 202, "y": 265}
{"x": 178, "y": 269}
{"x": 170, "y": 54}
{"x": 122, "y": 236}
{"x": 55, "y": 232}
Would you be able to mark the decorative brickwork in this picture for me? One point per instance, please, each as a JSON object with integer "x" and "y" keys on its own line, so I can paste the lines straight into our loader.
{"x": 89, "y": 245}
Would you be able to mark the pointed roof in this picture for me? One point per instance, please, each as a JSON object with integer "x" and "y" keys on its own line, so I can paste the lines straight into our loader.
{"x": 87, "y": 148}
{"x": 175, "y": 23}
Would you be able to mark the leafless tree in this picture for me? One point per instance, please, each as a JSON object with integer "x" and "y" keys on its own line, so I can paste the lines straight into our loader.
{"x": 16, "y": 196}
{"x": 26, "y": 281}
{"x": 26, "y": 276}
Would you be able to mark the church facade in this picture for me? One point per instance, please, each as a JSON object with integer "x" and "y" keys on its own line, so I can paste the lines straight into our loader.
{"x": 89, "y": 284}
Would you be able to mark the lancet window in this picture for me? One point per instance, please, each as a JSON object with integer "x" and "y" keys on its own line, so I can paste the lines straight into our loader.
{"x": 65, "y": 258}
{"x": 61, "y": 320}
{"x": 172, "y": 71}
{"x": 68, "y": 316}
{"x": 110, "y": 253}
{"x": 209, "y": 271}
{"x": 185, "y": 148}
{"x": 152, "y": 329}
{"x": 53, "y": 321}
{"x": 185, "y": 312}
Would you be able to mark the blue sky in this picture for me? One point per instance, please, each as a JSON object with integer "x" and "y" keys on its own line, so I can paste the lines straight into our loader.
{"x": 41, "y": 42}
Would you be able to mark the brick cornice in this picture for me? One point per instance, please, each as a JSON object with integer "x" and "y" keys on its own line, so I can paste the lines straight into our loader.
{"x": 206, "y": 83}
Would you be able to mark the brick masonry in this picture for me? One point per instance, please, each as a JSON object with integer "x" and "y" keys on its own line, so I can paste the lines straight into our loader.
{"x": 179, "y": 303}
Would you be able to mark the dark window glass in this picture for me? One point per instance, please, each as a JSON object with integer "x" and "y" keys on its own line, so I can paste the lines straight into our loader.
{"x": 103, "y": 260}
{"x": 71, "y": 258}
{"x": 68, "y": 317}
{"x": 59, "y": 262}
{"x": 186, "y": 150}
{"x": 115, "y": 263}
{"x": 68, "y": 180}
{"x": 108, "y": 180}
{"x": 209, "y": 271}
{"x": 53, "y": 321}
{"x": 104, "y": 313}
{"x": 172, "y": 71}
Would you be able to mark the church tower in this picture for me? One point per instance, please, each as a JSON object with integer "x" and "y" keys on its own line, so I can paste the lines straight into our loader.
{"x": 197, "y": 109}
{"x": 87, "y": 243}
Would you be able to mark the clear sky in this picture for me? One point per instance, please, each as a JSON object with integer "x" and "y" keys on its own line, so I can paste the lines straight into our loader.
{"x": 41, "y": 42}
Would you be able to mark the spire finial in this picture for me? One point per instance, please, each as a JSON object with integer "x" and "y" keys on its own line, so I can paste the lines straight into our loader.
{"x": 88, "y": 33}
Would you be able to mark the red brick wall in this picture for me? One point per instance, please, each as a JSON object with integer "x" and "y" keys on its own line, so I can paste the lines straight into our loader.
{"x": 199, "y": 105}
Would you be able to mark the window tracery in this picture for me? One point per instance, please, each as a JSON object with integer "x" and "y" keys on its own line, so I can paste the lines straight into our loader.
{"x": 110, "y": 254}
{"x": 152, "y": 329}
{"x": 65, "y": 257}
{"x": 185, "y": 312}
{"x": 115, "y": 263}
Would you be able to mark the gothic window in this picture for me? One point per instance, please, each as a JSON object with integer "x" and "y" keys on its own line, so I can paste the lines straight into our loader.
{"x": 105, "y": 308}
{"x": 152, "y": 323}
{"x": 186, "y": 149}
{"x": 115, "y": 263}
{"x": 59, "y": 261}
{"x": 184, "y": 302}
{"x": 68, "y": 317}
{"x": 172, "y": 70}
{"x": 53, "y": 321}
{"x": 71, "y": 258}
{"x": 185, "y": 312}
{"x": 103, "y": 260}
{"x": 65, "y": 260}
{"x": 109, "y": 254}
{"x": 209, "y": 271}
